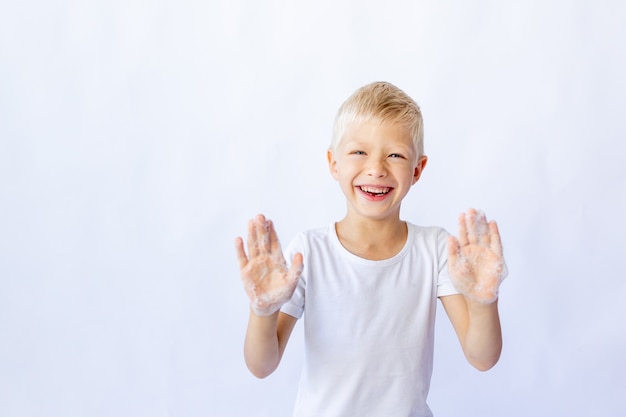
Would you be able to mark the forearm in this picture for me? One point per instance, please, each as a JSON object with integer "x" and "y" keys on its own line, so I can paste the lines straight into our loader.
{"x": 482, "y": 343}
{"x": 261, "y": 346}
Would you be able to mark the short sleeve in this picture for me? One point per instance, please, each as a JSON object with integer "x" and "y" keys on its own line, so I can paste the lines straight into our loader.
{"x": 444, "y": 284}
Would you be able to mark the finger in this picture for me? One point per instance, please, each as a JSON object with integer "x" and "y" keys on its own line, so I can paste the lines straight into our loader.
{"x": 253, "y": 245}
{"x": 453, "y": 249}
{"x": 274, "y": 243}
{"x": 496, "y": 243}
{"x": 241, "y": 253}
{"x": 470, "y": 223}
{"x": 295, "y": 270}
{"x": 262, "y": 231}
{"x": 463, "y": 240}
{"x": 482, "y": 228}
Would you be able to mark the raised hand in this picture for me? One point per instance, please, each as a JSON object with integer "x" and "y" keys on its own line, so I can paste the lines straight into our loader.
{"x": 475, "y": 261}
{"x": 264, "y": 273}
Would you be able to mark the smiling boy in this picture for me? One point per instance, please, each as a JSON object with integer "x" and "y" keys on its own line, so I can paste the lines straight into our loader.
{"x": 367, "y": 285}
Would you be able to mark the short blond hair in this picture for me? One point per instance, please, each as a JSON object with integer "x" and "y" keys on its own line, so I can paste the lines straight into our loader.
{"x": 385, "y": 102}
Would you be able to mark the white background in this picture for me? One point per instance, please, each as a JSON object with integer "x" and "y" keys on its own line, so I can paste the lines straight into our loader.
{"x": 137, "y": 138}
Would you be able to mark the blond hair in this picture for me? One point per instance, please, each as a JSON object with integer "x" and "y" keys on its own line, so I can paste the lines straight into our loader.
{"x": 385, "y": 102}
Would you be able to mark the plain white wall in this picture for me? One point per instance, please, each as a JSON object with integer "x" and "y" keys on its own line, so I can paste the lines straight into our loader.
{"x": 137, "y": 138}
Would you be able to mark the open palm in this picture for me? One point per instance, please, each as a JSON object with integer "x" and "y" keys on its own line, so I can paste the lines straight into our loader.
{"x": 475, "y": 260}
{"x": 264, "y": 273}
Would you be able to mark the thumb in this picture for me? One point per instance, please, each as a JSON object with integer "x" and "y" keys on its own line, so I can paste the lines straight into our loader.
{"x": 453, "y": 249}
{"x": 297, "y": 264}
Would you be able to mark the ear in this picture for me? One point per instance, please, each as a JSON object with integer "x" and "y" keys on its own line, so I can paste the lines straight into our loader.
{"x": 419, "y": 167}
{"x": 332, "y": 164}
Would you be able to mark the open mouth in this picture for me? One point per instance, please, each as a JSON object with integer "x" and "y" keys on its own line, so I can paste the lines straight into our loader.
{"x": 375, "y": 191}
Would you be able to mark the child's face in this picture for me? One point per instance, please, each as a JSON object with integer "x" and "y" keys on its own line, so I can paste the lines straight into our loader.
{"x": 376, "y": 164}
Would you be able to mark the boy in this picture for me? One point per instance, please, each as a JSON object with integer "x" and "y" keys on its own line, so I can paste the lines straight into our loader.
{"x": 367, "y": 285}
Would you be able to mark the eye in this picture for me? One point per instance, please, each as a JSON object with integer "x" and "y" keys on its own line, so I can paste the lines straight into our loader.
{"x": 357, "y": 153}
{"x": 396, "y": 155}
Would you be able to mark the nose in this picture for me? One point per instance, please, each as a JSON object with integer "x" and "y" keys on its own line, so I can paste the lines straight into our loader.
{"x": 376, "y": 168}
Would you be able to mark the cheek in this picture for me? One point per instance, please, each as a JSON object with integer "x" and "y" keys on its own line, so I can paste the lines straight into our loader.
{"x": 405, "y": 173}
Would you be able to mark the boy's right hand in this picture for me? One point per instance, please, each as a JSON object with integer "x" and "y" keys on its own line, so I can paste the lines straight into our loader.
{"x": 266, "y": 278}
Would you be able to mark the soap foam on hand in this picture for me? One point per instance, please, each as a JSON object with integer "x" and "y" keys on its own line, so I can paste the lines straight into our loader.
{"x": 475, "y": 261}
{"x": 267, "y": 280}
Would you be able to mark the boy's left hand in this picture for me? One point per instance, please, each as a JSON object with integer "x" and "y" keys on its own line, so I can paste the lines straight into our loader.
{"x": 475, "y": 260}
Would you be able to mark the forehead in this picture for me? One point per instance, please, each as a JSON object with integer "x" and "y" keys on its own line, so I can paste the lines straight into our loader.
{"x": 377, "y": 131}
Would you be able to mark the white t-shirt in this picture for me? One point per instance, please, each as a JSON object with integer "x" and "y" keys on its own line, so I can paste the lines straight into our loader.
{"x": 369, "y": 325}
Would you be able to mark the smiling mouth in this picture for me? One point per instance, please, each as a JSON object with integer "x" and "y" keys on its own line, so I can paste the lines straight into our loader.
{"x": 375, "y": 191}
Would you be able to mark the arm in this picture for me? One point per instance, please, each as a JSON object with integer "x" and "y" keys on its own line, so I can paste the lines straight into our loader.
{"x": 266, "y": 339}
{"x": 476, "y": 266}
{"x": 477, "y": 326}
{"x": 269, "y": 284}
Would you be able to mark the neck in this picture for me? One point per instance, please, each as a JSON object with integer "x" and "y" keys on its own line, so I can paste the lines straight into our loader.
{"x": 372, "y": 239}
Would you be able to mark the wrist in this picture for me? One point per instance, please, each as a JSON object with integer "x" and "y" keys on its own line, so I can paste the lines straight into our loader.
{"x": 264, "y": 311}
{"x": 475, "y": 305}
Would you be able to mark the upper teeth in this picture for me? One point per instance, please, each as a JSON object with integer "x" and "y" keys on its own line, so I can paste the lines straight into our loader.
{"x": 375, "y": 190}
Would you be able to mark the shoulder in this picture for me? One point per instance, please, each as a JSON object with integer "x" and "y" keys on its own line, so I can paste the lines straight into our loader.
{"x": 312, "y": 238}
{"x": 311, "y": 235}
{"x": 432, "y": 240}
{"x": 427, "y": 232}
